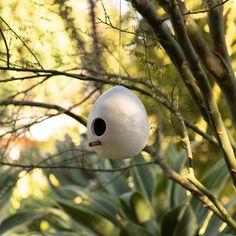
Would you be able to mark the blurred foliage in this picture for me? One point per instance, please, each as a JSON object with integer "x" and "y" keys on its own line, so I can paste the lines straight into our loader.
{"x": 140, "y": 200}
{"x": 58, "y": 35}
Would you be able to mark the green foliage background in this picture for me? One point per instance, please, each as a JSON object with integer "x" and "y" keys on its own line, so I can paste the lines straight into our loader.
{"x": 89, "y": 200}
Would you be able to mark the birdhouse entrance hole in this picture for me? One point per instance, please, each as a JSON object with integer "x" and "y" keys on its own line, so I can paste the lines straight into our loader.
{"x": 99, "y": 126}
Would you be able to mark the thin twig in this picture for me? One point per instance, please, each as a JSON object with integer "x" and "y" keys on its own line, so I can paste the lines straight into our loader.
{"x": 200, "y": 11}
{"x": 18, "y": 36}
{"x": 7, "y": 48}
{"x": 159, "y": 94}
{"x": 38, "y": 166}
{"x": 45, "y": 105}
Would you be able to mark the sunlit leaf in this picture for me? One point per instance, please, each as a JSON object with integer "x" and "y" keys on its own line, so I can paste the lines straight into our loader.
{"x": 177, "y": 160}
{"x": 125, "y": 205}
{"x": 142, "y": 208}
{"x": 142, "y": 178}
{"x": 130, "y": 229}
{"x": 214, "y": 179}
{"x": 179, "y": 221}
{"x": 160, "y": 199}
{"x": 18, "y": 219}
{"x": 87, "y": 218}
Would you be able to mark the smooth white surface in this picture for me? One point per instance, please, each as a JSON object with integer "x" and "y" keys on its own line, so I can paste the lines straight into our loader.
{"x": 127, "y": 127}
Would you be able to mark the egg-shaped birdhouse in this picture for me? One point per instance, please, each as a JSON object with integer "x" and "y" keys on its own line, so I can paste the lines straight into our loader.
{"x": 118, "y": 124}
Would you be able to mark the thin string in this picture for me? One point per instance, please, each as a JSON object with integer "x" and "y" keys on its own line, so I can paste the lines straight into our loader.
{"x": 119, "y": 47}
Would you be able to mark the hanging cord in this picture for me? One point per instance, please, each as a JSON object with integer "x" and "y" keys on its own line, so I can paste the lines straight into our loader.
{"x": 119, "y": 46}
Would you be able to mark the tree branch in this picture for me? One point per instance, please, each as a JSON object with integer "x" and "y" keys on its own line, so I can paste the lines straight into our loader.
{"x": 186, "y": 13}
{"x": 39, "y": 166}
{"x": 18, "y": 36}
{"x": 159, "y": 95}
{"x": 214, "y": 63}
{"x": 216, "y": 121}
{"x": 206, "y": 198}
{"x": 172, "y": 48}
{"x": 6, "y": 46}
{"x": 96, "y": 48}
{"x": 80, "y": 119}
{"x": 216, "y": 25}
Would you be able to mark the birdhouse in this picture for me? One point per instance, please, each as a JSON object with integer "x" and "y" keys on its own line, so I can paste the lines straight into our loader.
{"x": 118, "y": 124}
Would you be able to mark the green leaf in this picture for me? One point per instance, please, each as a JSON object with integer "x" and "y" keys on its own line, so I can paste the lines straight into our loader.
{"x": 124, "y": 202}
{"x": 115, "y": 183}
{"x": 103, "y": 204}
{"x": 177, "y": 160}
{"x": 17, "y": 220}
{"x": 135, "y": 207}
{"x": 160, "y": 199}
{"x": 8, "y": 180}
{"x": 130, "y": 229}
{"x": 95, "y": 222}
{"x": 142, "y": 178}
{"x": 138, "y": 210}
{"x": 141, "y": 207}
{"x": 179, "y": 221}
{"x": 214, "y": 224}
{"x": 216, "y": 177}
{"x": 215, "y": 180}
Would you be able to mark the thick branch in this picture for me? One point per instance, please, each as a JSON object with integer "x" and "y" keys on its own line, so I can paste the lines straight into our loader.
{"x": 172, "y": 48}
{"x": 216, "y": 25}
{"x": 215, "y": 64}
{"x": 216, "y": 121}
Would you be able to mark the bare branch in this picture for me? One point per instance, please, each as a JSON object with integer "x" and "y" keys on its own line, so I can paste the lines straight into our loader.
{"x": 217, "y": 31}
{"x": 207, "y": 199}
{"x": 12, "y": 79}
{"x": 80, "y": 119}
{"x": 213, "y": 199}
{"x": 18, "y": 36}
{"x": 38, "y": 166}
{"x": 186, "y": 13}
{"x": 159, "y": 95}
{"x": 216, "y": 25}
{"x": 172, "y": 48}
{"x": 6, "y": 46}
{"x": 216, "y": 121}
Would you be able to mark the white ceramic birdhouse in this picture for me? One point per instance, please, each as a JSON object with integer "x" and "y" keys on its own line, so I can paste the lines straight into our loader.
{"x": 118, "y": 124}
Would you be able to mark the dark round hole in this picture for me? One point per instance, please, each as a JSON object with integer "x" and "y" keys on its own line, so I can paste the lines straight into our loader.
{"x": 99, "y": 126}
